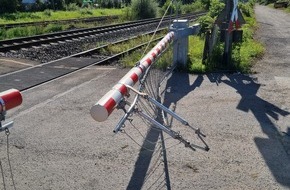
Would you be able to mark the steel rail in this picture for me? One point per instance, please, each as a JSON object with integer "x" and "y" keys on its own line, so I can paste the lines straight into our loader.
{"x": 24, "y": 42}
{"x": 70, "y": 71}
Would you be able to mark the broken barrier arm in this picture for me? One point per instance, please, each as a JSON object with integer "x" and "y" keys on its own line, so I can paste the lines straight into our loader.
{"x": 105, "y": 106}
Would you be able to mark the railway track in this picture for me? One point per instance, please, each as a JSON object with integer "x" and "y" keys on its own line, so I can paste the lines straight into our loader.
{"x": 67, "y": 21}
{"x": 42, "y": 73}
{"x": 81, "y": 34}
{"x": 34, "y": 76}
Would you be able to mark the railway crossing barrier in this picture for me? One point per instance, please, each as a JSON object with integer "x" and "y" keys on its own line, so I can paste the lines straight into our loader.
{"x": 117, "y": 97}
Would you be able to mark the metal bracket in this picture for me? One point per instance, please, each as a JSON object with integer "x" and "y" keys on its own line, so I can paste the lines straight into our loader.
{"x": 2, "y": 110}
{"x": 6, "y": 126}
{"x": 164, "y": 128}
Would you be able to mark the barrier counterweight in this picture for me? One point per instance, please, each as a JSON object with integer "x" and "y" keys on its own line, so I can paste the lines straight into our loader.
{"x": 105, "y": 106}
{"x": 9, "y": 99}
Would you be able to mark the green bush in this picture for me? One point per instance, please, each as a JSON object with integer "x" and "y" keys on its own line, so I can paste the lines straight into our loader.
{"x": 194, "y": 7}
{"x": 53, "y": 28}
{"x": 215, "y": 8}
{"x": 246, "y": 9}
{"x": 71, "y": 7}
{"x": 47, "y": 12}
{"x": 174, "y": 8}
{"x": 243, "y": 54}
{"x": 126, "y": 14}
{"x": 206, "y": 22}
{"x": 16, "y": 32}
{"x": 195, "y": 54}
{"x": 86, "y": 11}
{"x": 143, "y": 9}
{"x": 165, "y": 60}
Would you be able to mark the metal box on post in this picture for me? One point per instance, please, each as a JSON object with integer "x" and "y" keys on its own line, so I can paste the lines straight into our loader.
{"x": 237, "y": 36}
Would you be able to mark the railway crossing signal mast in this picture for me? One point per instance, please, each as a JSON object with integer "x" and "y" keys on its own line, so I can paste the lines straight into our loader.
{"x": 230, "y": 21}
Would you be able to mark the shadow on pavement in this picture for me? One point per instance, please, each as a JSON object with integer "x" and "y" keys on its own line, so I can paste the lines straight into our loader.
{"x": 174, "y": 92}
{"x": 271, "y": 148}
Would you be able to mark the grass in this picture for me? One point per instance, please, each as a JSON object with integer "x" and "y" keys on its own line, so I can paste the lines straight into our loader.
{"x": 133, "y": 58}
{"x": 195, "y": 54}
{"x": 49, "y": 15}
{"x": 244, "y": 54}
{"x": 163, "y": 62}
{"x": 19, "y": 32}
{"x": 36, "y": 30}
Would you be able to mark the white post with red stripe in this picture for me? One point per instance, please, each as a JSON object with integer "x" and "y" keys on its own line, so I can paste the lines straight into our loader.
{"x": 105, "y": 106}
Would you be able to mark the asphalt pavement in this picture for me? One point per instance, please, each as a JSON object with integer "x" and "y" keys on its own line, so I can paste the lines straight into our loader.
{"x": 55, "y": 144}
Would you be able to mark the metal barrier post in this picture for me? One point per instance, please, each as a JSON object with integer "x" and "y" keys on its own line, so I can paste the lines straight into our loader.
{"x": 182, "y": 30}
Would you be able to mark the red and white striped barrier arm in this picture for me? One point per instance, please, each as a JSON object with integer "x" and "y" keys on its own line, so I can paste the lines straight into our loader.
{"x": 105, "y": 106}
{"x": 9, "y": 99}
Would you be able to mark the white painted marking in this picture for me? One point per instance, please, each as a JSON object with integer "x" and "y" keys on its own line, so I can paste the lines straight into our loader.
{"x": 18, "y": 62}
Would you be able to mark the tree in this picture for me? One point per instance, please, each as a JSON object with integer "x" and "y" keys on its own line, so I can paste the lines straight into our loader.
{"x": 56, "y": 4}
{"x": 142, "y": 9}
{"x": 127, "y": 2}
{"x": 9, "y": 6}
{"x": 187, "y": 1}
{"x": 161, "y": 2}
{"x": 78, "y": 2}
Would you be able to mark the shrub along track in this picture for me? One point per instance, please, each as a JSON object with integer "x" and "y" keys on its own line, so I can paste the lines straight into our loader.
{"x": 68, "y": 21}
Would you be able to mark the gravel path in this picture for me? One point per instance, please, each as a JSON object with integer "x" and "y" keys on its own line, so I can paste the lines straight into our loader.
{"x": 55, "y": 144}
